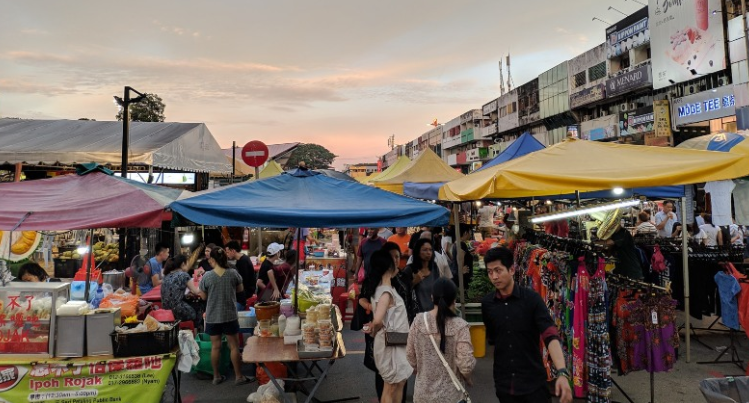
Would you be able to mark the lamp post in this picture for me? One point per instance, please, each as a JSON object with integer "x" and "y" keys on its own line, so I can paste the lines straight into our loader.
{"x": 124, "y": 103}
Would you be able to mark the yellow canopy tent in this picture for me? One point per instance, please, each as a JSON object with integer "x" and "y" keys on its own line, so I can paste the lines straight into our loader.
{"x": 589, "y": 166}
{"x": 400, "y": 164}
{"x": 272, "y": 169}
{"x": 428, "y": 167}
{"x": 240, "y": 168}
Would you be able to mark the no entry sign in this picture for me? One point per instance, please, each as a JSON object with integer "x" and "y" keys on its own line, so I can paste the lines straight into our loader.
{"x": 255, "y": 153}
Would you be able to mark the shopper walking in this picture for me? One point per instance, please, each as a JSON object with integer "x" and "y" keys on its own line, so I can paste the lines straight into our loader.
{"x": 221, "y": 286}
{"x": 422, "y": 273}
{"x": 389, "y": 316}
{"x": 516, "y": 318}
{"x": 453, "y": 340}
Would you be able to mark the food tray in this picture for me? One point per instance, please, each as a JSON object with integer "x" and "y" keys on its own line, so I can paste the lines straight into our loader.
{"x": 315, "y": 354}
{"x": 146, "y": 343}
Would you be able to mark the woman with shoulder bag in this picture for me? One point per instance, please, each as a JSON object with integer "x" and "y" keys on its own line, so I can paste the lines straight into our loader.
{"x": 389, "y": 328}
{"x": 440, "y": 350}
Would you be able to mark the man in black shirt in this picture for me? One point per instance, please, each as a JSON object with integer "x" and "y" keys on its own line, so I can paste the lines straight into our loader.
{"x": 516, "y": 318}
{"x": 245, "y": 269}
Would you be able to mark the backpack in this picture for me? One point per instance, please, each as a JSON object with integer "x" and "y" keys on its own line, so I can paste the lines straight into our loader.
{"x": 657, "y": 261}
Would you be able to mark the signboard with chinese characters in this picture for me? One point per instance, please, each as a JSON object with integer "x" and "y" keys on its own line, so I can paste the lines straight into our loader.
{"x": 631, "y": 80}
{"x": 661, "y": 118}
{"x": 628, "y": 33}
{"x": 703, "y": 106}
{"x": 588, "y": 95}
{"x": 686, "y": 40}
{"x": 638, "y": 121}
{"x": 134, "y": 379}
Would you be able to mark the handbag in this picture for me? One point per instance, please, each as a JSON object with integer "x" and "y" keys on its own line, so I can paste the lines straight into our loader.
{"x": 396, "y": 339}
{"x": 458, "y": 385}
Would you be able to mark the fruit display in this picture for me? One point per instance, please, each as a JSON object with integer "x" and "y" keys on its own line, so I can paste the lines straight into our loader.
{"x": 20, "y": 244}
{"x": 102, "y": 253}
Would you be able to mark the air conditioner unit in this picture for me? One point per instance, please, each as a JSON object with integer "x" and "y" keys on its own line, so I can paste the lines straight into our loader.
{"x": 623, "y": 107}
{"x": 632, "y": 106}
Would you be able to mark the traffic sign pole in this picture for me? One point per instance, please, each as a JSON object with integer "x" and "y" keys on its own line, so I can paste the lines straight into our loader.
{"x": 259, "y": 232}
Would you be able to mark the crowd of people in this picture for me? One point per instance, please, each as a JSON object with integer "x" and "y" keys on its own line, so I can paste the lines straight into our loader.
{"x": 404, "y": 291}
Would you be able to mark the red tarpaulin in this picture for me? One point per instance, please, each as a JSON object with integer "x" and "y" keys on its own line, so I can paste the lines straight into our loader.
{"x": 94, "y": 200}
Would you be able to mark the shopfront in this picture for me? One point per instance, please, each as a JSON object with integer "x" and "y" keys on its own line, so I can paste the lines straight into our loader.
{"x": 711, "y": 111}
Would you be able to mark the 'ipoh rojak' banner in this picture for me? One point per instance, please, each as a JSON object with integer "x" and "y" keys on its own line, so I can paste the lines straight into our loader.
{"x": 125, "y": 380}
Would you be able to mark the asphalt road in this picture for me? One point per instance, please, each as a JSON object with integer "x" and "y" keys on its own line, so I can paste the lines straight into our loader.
{"x": 349, "y": 378}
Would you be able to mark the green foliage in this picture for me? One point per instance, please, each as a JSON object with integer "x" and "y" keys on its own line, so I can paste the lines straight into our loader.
{"x": 480, "y": 286}
{"x": 314, "y": 156}
{"x": 150, "y": 109}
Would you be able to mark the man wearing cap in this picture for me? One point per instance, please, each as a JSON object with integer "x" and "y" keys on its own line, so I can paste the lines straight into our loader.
{"x": 267, "y": 289}
{"x": 367, "y": 247}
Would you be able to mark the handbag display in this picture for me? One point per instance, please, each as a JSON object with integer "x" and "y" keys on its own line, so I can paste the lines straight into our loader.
{"x": 456, "y": 382}
{"x": 396, "y": 339}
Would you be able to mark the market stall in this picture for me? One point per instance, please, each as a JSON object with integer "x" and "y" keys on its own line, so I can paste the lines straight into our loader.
{"x": 43, "y": 353}
{"x": 427, "y": 168}
{"x": 575, "y": 166}
{"x": 400, "y": 164}
{"x": 305, "y": 198}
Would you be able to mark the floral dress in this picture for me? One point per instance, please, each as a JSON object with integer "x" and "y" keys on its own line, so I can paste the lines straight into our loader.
{"x": 173, "y": 295}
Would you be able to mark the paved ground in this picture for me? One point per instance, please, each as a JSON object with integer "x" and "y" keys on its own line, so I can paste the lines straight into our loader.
{"x": 349, "y": 377}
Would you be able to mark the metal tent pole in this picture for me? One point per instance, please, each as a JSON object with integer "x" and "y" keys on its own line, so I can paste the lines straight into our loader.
{"x": 459, "y": 260}
{"x": 685, "y": 263}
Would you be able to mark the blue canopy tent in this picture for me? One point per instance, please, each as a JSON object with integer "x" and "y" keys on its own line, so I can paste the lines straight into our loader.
{"x": 305, "y": 198}
{"x": 525, "y": 144}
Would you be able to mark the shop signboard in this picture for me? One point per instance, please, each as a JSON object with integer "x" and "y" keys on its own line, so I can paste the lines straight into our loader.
{"x": 489, "y": 108}
{"x": 588, "y": 95}
{"x": 628, "y": 33}
{"x": 652, "y": 140}
{"x": 638, "y": 121}
{"x": 133, "y": 379}
{"x": 662, "y": 118}
{"x": 631, "y": 80}
{"x": 686, "y": 39}
{"x": 703, "y": 106}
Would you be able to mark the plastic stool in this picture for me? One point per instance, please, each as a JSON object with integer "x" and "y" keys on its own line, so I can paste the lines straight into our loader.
{"x": 343, "y": 300}
{"x": 162, "y": 315}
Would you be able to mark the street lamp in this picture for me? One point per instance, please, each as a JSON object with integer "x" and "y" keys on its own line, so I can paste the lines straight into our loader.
{"x": 125, "y": 104}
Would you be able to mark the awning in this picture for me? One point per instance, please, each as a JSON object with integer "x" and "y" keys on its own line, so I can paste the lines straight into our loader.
{"x": 178, "y": 146}
{"x": 93, "y": 200}
{"x": 428, "y": 167}
{"x": 590, "y": 166}
{"x": 305, "y": 198}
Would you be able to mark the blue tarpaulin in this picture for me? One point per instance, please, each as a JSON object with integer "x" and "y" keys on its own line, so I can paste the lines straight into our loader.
{"x": 426, "y": 191}
{"x": 305, "y": 198}
{"x": 525, "y": 144}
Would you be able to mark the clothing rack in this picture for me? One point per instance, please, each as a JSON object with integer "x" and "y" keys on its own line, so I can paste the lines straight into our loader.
{"x": 628, "y": 282}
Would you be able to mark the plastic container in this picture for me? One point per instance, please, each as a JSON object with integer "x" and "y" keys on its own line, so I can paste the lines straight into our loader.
{"x": 281, "y": 324}
{"x": 287, "y": 308}
{"x": 267, "y": 310}
{"x": 478, "y": 339}
{"x": 98, "y": 297}
{"x": 146, "y": 343}
{"x": 247, "y": 319}
{"x": 204, "y": 365}
{"x": 78, "y": 290}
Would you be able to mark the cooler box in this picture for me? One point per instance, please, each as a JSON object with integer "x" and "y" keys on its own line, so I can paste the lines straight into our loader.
{"x": 204, "y": 365}
{"x": 70, "y": 343}
{"x": 99, "y": 327}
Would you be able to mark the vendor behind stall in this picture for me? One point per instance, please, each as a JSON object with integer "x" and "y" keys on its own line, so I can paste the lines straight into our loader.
{"x": 33, "y": 273}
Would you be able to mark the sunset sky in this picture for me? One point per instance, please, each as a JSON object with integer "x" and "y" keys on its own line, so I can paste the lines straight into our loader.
{"x": 344, "y": 74}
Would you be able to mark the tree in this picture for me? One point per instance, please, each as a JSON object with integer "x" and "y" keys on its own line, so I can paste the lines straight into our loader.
{"x": 314, "y": 156}
{"x": 151, "y": 109}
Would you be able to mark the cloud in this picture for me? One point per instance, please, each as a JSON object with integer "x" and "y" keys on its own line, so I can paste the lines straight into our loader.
{"x": 179, "y": 31}
{"x": 28, "y": 87}
{"x": 34, "y": 31}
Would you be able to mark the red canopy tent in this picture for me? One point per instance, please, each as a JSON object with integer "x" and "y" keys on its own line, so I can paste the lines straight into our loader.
{"x": 93, "y": 200}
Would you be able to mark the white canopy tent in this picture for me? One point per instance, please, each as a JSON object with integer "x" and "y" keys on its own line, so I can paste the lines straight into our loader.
{"x": 178, "y": 146}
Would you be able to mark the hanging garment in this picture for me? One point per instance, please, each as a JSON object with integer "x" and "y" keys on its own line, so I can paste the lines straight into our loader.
{"x": 658, "y": 336}
{"x": 743, "y": 298}
{"x": 728, "y": 289}
{"x": 582, "y": 288}
{"x": 597, "y": 339}
{"x": 720, "y": 199}
{"x": 740, "y": 195}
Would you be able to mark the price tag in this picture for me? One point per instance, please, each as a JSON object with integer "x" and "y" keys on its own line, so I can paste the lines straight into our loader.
{"x": 654, "y": 314}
